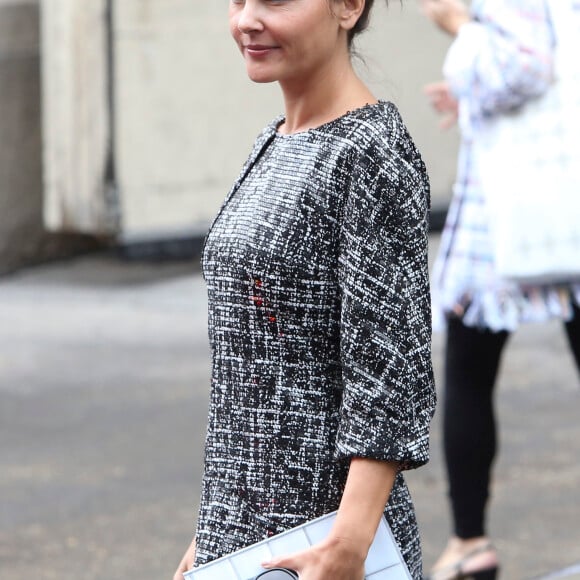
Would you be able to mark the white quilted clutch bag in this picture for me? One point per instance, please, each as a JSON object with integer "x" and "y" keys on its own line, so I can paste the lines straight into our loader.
{"x": 384, "y": 561}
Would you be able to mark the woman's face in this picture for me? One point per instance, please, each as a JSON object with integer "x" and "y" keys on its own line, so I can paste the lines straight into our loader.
{"x": 286, "y": 40}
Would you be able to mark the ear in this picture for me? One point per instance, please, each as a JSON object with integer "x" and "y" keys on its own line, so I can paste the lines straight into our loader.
{"x": 348, "y": 12}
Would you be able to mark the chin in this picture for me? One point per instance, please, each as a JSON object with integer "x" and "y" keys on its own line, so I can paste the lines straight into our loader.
{"x": 261, "y": 80}
{"x": 261, "y": 76}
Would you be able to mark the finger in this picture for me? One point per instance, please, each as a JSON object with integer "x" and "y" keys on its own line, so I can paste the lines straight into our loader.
{"x": 432, "y": 91}
{"x": 185, "y": 565}
{"x": 290, "y": 561}
{"x": 438, "y": 102}
{"x": 286, "y": 562}
{"x": 441, "y": 106}
{"x": 180, "y": 570}
{"x": 435, "y": 88}
{"x": 445, "y": 106}
{"x": 448, "y": 122}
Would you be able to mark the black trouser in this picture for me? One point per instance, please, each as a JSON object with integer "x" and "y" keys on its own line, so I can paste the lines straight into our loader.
{"x": 469, "y": 433}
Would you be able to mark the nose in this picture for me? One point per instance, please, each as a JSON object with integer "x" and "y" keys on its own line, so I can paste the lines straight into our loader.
{"x": 250, "y": 18}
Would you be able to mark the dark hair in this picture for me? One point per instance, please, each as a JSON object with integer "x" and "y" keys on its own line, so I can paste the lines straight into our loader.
{"x": 363, "y": 21}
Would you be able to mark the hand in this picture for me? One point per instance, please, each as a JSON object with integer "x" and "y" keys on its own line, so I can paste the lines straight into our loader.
{"x": 336, "y": 558}
{"x": 186, "y": 562}
{"x": 449, "y": 15}
{"x": 443, "y": 101}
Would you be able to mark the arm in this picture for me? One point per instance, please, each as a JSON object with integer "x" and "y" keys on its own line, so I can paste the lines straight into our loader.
{"x": 449, "y": 15}
{"x": 366, "y": 493}
{"x": 501, "y": 58}
{"x": 342, "y": 554}
{"x": 388, "y": 392}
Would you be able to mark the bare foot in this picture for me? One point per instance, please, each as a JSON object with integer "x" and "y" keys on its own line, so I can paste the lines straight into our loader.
{"x": 461, "y": 557}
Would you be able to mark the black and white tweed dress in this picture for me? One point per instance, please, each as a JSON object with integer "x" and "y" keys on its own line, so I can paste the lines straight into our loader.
{"x": 319, "y": 325}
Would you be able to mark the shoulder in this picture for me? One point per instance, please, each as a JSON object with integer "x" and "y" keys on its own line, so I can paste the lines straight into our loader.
{"x": 380, "y": 132}
{"x": 377, "y": 123}
{"x": 383, "y": 150}
{"x": 375, "y": 134}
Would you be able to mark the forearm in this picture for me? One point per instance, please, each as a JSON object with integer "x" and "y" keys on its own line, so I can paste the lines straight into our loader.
{"x": 449, "y": 15}
{"x": 366, "y": 493}
{"x": 495, "y": 65}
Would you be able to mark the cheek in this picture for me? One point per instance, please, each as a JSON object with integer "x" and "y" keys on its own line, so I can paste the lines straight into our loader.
{"x": 317, "y": 32}
{"x": 234, "y": 30}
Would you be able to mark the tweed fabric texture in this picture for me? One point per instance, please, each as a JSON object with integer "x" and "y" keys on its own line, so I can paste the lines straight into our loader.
{"x": 319, "y": 325}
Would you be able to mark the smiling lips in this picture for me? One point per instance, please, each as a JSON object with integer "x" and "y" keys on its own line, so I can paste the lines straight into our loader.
{"x": 259, "y": 50}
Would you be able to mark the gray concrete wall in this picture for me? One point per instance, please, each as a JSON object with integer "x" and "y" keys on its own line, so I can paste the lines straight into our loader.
{"x": 76, "y": 116}
{"x": 23, "y": 239}
{"x": 187, "y": 113}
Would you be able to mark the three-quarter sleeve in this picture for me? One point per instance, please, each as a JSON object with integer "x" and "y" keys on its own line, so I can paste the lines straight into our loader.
{"x": 501, "y": 58}
{"x": 388, "y": 392}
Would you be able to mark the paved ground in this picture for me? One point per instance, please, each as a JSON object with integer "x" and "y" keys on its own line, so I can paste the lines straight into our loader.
{"x": 103, "y": 387}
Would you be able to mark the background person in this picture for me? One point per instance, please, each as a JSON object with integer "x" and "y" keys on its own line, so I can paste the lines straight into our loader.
{"x": 319, "y": 308}
{"x": 501, "y": 57}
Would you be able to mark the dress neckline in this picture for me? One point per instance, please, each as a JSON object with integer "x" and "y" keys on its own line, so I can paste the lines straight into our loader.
{"x": 277, "y": 123}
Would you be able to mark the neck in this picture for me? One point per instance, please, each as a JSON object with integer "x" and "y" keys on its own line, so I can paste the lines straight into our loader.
{"x": 323, "y": 97}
